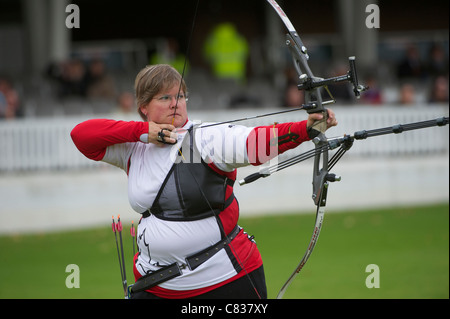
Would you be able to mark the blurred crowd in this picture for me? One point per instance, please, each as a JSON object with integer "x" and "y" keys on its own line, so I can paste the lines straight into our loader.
{"x": 416, "y": 70}
{"x": 226, "y": 52}
{"x": 74, "y": 78}
{"x": 417, "y": 79}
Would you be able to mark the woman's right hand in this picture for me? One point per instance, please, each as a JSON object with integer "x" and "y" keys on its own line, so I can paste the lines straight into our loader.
{"x": 153, "y": 133}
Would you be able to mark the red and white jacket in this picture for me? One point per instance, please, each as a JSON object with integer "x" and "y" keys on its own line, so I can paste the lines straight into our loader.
{"x": 161, "y": 242}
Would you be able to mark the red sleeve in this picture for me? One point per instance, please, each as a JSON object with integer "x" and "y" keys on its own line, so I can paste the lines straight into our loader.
{"x": 92, "y": 137}
{"x": 267, "y": 142}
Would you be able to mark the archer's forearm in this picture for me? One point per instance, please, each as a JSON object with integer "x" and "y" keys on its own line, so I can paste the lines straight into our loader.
{"x": 92, "y": 137}
{"x": 266, "y": 142}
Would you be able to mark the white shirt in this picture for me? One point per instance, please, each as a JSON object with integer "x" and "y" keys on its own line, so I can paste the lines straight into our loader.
{"x": 161, "y": 242}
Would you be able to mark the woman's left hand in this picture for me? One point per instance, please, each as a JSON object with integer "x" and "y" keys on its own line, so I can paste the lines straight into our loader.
{"x": 314, "y": 117}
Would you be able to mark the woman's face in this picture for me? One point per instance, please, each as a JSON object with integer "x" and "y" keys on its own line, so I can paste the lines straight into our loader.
{"x": 161, "y": 109}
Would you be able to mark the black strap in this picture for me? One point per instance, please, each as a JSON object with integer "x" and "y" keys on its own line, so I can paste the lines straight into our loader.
{"x": 156, "y": 277}
{"x": 199, "y": 258}
{"x": 168, "y": 272}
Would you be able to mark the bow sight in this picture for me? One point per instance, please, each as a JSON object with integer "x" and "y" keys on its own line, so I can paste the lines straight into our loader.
{"x": 308, "y": 82}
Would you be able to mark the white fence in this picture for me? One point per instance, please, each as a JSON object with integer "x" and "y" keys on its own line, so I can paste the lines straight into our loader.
{"x": 45, "y": 144}
{"x": 46, "y": 184}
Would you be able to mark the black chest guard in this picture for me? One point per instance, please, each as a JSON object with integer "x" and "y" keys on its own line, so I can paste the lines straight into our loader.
{"x": 191, "y": 190}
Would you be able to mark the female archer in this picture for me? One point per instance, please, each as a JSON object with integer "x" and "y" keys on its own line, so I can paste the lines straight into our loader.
{"x": 180, "y": 179}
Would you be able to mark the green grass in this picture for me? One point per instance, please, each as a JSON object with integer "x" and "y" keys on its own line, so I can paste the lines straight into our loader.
{"x": 410, "y": 246}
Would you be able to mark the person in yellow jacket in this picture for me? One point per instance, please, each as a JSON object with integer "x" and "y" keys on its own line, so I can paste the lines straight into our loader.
{"x": 227, "y": 51}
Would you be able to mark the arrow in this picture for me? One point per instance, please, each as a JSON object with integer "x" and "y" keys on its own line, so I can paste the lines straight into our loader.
{"x": 117, "y": 228}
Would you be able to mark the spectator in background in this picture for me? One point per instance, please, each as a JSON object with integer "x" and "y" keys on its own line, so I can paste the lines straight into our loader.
{"x": 341, "y": 91}
{"x": 373, "y": 94}
{"x": 126, "y": 105}
{"x": 437, "y": 61}
{"x": 227, "y": 52}
{"x": 293, "y": 97}
{"x": 407, "y": 94}
{"x": 100, "y": 85}
{"x": 3, "y": 102}
{"x": 71, "y": 78}
{"x": 9, "y": 100}
{"x": 439, "y": 90}
{"x": 411, "y": 66}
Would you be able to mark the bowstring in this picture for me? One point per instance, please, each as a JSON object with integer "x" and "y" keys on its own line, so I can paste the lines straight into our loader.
{"x": 186, "y": 58}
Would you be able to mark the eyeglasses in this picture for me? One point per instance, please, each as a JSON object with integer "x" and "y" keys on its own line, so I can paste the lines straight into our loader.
{"x": 167, "y": 98}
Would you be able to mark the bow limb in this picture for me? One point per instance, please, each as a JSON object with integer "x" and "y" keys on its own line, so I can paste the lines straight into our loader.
{"x": 315, "y": 236}
{"x": 313, "y": 96}
{"x": 321, "y": 178}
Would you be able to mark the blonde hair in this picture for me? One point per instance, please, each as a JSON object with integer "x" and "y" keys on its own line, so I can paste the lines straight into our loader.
{"x": 153, "y": 79}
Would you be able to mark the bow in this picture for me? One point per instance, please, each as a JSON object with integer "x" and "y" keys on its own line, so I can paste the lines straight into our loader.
{"x": 314, "y": 104}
